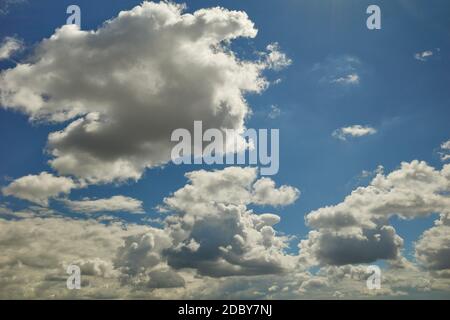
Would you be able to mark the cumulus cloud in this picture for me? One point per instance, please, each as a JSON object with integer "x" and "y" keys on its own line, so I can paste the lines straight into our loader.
{"x": 433, "y": 248}
{"x": 207, "y": 239}
{"x": 265, "y": 193}
{"x": 353, "y": 131}
{"x": 232, "y": 185}
{"x": 127, "y": 85}
{"x": 9, "y": 46}
{"x": 209, "y": 229}
{"x": 357, "y": 229}
{"x": 113, "y": 204}
{"x": 231, "y": 239}
{"x": 39, "y": 188}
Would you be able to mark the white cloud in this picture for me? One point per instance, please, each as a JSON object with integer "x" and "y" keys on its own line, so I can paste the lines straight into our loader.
{"x": 130, "y": 83}
{"x": 232, "y": 240}
{"x": 357, "y": 230}
{"x": 39, "y": 188}
{"x": 275, "y": 112}
{"x": 425, "y": 55}
{"x": 209, "y": 238}
{"x": 265, "y": 193}
{"x": 36, "y": 253}
{"x": 113, "y": 204}
{"x": 348, "y": 79}
{"x": 9, "y": 46}
{"x": 433, "y": 248}
{"x": 353, "y": 131}
{"x": 276, "y": 59}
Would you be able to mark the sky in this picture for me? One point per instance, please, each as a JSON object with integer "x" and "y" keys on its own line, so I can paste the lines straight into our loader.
{"x": 86, "y": 177}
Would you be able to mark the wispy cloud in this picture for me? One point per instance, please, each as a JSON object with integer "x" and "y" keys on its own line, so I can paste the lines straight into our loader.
{"x": 348, "y": 79}
{"x": 9, "y": 46}
{"x": 445, "y": 151}
{"x": 341, "y": 70}
{"x": 425, "y": 55}
{"x": 275, "y": 112}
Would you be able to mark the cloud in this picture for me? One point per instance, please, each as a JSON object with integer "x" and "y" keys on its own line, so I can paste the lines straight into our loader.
{"x": 5, "y": 5}
{"x": 265, "y": 193}
{"x": 231, "y": 239}
{"x": 39, "y": 188}
{"x": 113, "y": 204}
{"x": 357, "y": 229}
{"x": 342, "y": 70}
{"x": 208, "y": 239}
{"x": 348, "y": 79}
{"x": 445, "y": 151}
{"x": 140, "y": 254}
{"x": 275, "y": 112}
{"x": 425, "y": 55}
{"x": 353, "y": 131}
{"x": 232, "y": 185}
{"x": 125, "y": 87}
{"x": 9, "y": 46}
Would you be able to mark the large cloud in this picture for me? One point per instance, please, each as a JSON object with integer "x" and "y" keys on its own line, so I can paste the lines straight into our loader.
{"x": 357, "y": 230}
{"x": 126, "y": 86}
{"x": 214, "y": 231}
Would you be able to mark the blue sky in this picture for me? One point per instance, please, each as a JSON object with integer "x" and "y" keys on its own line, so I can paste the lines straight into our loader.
{"x": 404, "y": 98}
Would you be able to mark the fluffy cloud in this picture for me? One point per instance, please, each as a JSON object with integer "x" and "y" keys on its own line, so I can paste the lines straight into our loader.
{"x": 357, "y": 231}
{"x": 232, "y": 185}
{"x": 209, "y": 238}
{"x": 130, "y": 83}
{"x": 276, "y": 59}
{"x": 353, "y": 131}
{"x": 265, "y": 193}
{"x": 9, "y": 46}
{"x": 229, "y": 238}
{"x": 433, "y": 247}
{"x": 113, "y": 204}
{"x": 39, "y": 188}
